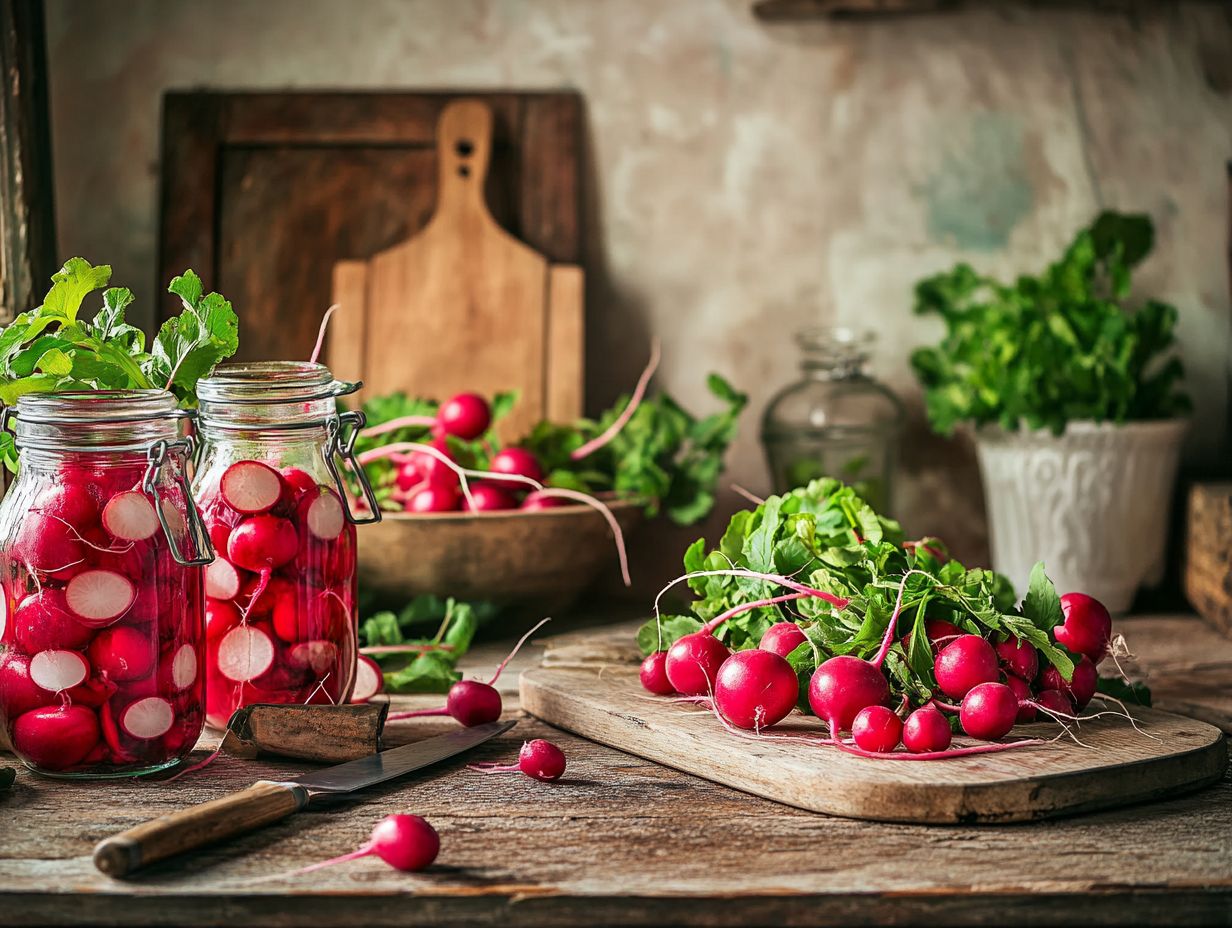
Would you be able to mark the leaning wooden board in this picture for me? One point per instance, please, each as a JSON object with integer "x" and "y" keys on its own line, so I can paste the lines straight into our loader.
{"x": 1114, "y": 766}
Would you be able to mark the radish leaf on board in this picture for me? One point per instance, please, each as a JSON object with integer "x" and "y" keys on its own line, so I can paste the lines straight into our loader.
{"x": 453, "y": 625}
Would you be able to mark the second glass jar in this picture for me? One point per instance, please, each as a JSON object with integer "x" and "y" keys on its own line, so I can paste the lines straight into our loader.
{"x": 281, "y": 594}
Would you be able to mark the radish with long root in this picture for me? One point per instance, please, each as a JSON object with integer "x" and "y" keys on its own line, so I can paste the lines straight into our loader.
{"x": 538, "y": 759}
{"x": 405, "y": 842}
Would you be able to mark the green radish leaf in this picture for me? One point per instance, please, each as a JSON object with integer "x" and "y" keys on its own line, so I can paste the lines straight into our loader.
{"x": 432, "y": 672}
{"x": 660, "y": 636}
{"x": 1042, "y": 604}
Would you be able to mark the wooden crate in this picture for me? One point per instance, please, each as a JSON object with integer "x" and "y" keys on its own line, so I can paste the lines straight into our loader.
{"x": 1208, "y": 553}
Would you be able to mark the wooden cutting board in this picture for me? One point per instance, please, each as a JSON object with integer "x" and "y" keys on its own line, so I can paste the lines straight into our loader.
{"x": 463, "y": 305}
{"x": 603, "y": 700}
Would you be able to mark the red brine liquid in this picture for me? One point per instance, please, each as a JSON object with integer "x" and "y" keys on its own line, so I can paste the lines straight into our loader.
{"x": 101, "y": 636}
{"x": 280, "y": 595}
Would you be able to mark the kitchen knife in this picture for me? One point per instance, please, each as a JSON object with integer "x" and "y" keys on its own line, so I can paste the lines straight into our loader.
{"x": 268, "y": 801}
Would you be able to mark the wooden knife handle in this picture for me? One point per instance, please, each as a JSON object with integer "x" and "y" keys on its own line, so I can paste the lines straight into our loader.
{"x": 262, "y": 803}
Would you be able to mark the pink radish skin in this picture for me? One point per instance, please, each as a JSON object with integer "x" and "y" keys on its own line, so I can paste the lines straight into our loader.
{"x": 1081, "y": 688}
{"x": 693, "y": 663}
{"x": 130, "y": 516}
{"x": 123, "y": 653}
{"x": 1019, "y": 657}
{"x": 988, "y": 711}
{"x": 320, "y": 512}
{"x": 147, "y": 718}
{"x": 940, "y": 632}
{"x": 220, "y": 618}
{"x": 1086, "y": 627}
{"x": 465, "y": 416}
{"x": 488, "y": 498}
{"x": 244, "y": 653}
{"x": 56, "y": 737}
{"x": 844, "y": 685}
{"x": 877, "y": 729}
{"x": 1055, "y": 701}
{"x": 433, "y": 499}
{"x": 966, "y": 662}
{"x": 755, "y": 689}
{"x": 262, "y": 543}
{"x": 368, "y": 679}
{"x": 49, "y": 545}
{"x": 433, "y": 471}
{"x": 18, "y": 693}
{"x": 1022, "y": 692}
{"x": 782, "y": 638}
{"x": 927, "y": 731}
{"x": 537, "y": 502}
{"x": 405, "y": 842}
{"x": 99, "y": 597}
{"x": 317, "y": 656}
{"x": 517, "y": 462}
{"x": 538, "y": 759}
{"x": 44, "y": 622}
{"x": 71, "y": 501}
{"x": 653, "y": 674}
{"x": 56, "y": 671}
{"x": 295, "y": 484}
{"x": 250, "y": 487}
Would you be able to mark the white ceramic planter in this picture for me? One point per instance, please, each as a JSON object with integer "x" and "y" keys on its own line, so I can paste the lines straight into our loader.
{"x": 1092, "y": 504}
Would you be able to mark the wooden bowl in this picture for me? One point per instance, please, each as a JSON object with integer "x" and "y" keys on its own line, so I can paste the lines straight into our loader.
{"x": 546, "y": 558}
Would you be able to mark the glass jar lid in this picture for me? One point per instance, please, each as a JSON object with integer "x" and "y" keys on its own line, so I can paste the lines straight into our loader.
{"x": 95, "y": 420}
{"x": 263, "y": 394}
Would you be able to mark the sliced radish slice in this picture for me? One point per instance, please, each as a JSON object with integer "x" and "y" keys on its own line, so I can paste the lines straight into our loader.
{"x": 368, "y": 679}
{"x": 317, "y": 656}
{"x": 250, "y": 486}
{"x": 129, "y": 516}
{"x": 58, "y": 670}
{"x": 244, "y": 654}
{"x": 321, "y": 511}
{"x": 151, "y": 717}
{"x": 99, "y": 597}
{"x": 222, "y": 580}
{"x": 184, "y": 667}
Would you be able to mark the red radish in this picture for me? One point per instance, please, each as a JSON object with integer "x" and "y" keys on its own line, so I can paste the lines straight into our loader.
{"x": 49, "y": 545}
{"x": 148, "y": 718}
{"x": 782, "y": 638}
{"x": 1086, "y": 628}
{"x": 1022, "y": 692}
{"x": 844, "y": 685}
{"x": 295, "y": 483}
{"x": 465, "y": 416}
{"x": 70, "y": 501}
{"x": 130, "y": 516}
{"x": 654, "y": 674}
{"x": 537, "y": 501}
{"x": 317, "y": 656}
{"x": 927, "y": 731}
{"x": 940, "y": 632}
{"x": 538, "y": 759}
{"x": 433, "y": 499}
{"x": 184, "y": 667}
{"x": 322, "y": 617}
{"x": 368, "y": 679}
{"x": 407, "y": 477}
{"x": 965, "y": 662}
{"x": 755, "y": 689}
{"x": 123, "y": 653}
{"x": 44, "y": 622}
{"x": 56, "y": 671}
{"x": 988, "y": 711}
{"x": 257, "y": 606}
{"x": 517, "y": 462}
{"x": 262, "y": 543}
{"x": 99, "y": 597}
{"x": 220, "y": 618}
{"x": 488, "y": 498}
{"x": 244, "y": 653}
{"x": 877, "y": 729}
{"x": 1055, "y": 701}
{"x": 693, "y": 663}
{"x": 432, "y": 470}
{"x": 1080, "y": 688}
{"x": 405, "y": 842}
{"x": 250, "y": 487}
{"x": 1019, "y": 657}
{"x": 18, "y": 693}
{"x": 56, "y": 737}
{"x": 320, "y": 511}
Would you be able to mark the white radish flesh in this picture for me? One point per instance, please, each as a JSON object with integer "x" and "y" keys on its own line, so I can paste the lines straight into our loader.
{"x": 184, "y": 667}
{"x": 147, "y": 718}
{"x": 244, "y": 653}
{"x": 250, "y": 486}
{"x": 317, "y": 656}
{"x": 129, "y": 516}
{"x": 58, "y": 670}
{"x": 324, "y": 516}
{"x": 368, "y": 679}
{"x": 99, "y": 597}
{"x": 222, "y": 580}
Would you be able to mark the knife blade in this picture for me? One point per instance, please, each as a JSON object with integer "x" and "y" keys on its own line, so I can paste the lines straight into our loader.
{"x": 267, "y": 801}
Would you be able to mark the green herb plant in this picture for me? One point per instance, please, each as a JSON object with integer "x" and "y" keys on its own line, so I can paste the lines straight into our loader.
{"x": 429, "y": 663}
{"x": 1054, "y": 348}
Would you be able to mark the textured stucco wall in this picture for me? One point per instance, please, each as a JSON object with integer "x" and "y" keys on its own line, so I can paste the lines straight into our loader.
{"x": 746, "y": 179}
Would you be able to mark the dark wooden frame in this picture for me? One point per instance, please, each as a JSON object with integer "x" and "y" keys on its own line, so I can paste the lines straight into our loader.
{"x": 534, "y": 137}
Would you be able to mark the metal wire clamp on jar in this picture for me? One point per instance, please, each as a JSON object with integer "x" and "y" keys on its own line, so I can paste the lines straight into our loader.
{"x": 281, "y": 596}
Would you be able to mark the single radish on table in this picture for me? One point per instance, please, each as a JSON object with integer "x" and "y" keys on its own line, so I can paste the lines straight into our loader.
{"x": 538, "y": 759}
{"x": 405, "y": 842}
{"x": 755, "y": 689}
{"x": 251, "y": 487}
{"x": 927, "y": 731}
{"x": 877, "y": 729}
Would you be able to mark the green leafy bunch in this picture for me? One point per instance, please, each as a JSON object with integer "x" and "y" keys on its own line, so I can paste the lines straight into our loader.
{"x": 827, "y": 537}
{"x": 1054, "y": 348}
{"x": 433, "y": 670}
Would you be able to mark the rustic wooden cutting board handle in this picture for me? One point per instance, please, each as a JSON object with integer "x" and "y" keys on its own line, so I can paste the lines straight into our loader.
{"x": 463, "y": 150}
{"x": 262, "y": 803}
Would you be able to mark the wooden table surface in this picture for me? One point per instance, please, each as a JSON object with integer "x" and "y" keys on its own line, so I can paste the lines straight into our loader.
{"x": 623, "y": 841}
